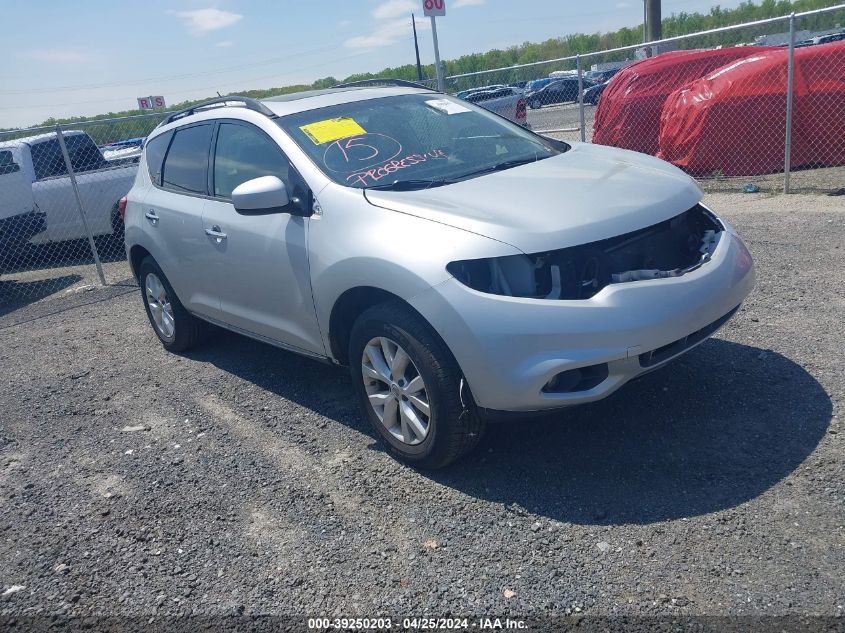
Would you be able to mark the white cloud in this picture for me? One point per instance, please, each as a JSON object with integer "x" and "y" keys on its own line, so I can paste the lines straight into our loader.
{"x": 202, "y": 21}
{"x": 343, "y": 24}
{"x": 457, "y": 4}
{"x": 56, "y": 56}
{"x": 386, "y": 33}
{"x": 225, "y": 44}
{"x": 394, "y": 8}
{"x": 622, "y": 5}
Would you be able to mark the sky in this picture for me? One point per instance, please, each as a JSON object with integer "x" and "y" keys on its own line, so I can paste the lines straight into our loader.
{"x": 85, "y": 57}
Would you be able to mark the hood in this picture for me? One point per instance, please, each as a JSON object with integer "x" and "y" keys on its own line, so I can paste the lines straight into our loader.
{"x": 589, "y": 193}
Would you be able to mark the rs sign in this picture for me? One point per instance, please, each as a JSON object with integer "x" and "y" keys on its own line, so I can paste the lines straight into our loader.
{"x": 434, "y": 8}
{"x": 150, "y": 103}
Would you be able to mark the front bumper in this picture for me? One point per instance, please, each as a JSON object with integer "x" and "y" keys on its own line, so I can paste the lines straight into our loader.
{"x": 509, "y": 348}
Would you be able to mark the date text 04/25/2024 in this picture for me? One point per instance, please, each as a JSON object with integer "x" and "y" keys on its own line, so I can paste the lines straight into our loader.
{"x": 418, "y": 624}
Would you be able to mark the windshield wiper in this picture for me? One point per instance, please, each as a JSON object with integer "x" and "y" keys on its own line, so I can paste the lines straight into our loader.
{"x": 508, "y": 164}
{"x": 410, "y": 185}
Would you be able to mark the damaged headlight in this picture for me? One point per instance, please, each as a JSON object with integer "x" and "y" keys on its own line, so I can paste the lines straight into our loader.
{"x": 668, "y": 249}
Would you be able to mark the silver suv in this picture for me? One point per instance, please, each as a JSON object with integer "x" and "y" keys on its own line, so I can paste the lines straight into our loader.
{"x": 460, "y": 265}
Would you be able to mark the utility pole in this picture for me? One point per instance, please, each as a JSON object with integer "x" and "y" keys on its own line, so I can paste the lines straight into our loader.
{"x": 645, "y": 22}
{"x": 416, "y": 47}
{"x": 654, "y": 20}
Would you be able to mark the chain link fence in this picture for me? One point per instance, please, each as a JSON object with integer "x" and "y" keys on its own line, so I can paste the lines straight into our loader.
{"x": 759, "y": 105}
{"x": 60, "y": 224}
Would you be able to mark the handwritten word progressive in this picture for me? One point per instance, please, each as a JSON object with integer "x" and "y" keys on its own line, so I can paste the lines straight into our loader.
{"x": 371, "y": 176}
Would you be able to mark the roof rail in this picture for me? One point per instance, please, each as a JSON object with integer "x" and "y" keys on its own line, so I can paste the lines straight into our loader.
{"x": 222, "y": 102}
{"x": 383, "y": 82}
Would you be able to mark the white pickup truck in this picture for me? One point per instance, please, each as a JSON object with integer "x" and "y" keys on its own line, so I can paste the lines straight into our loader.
{"x": 37, "y": 202}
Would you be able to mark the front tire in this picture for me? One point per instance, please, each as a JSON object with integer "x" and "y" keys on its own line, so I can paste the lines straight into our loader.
{"x": 176, "y": 328}
{"x": 411, "y": 388}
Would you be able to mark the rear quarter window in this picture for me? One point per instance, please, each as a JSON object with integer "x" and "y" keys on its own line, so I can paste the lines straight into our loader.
{"x": 7, "y": 163}
{"x": 156, "y": 149}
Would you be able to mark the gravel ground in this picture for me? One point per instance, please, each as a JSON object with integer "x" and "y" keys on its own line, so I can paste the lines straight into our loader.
{"x": 239, "y": 479}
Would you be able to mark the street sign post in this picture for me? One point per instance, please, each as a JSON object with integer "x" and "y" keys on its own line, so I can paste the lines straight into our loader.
{"x": 433, "y": 9}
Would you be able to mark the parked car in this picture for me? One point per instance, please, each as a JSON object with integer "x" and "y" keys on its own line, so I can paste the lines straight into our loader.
{"x": 463, "y": 94}
{"x": 601, "y": 76}
{"x": 459, "y": 265}
{"x": 820, "y": 39}
{"x": 535, "y": 84}
{"x": 507, "y": 102}
{"x": 39, "y": 182}
{"x": 593, "y": 93}
{"x": 127, "y": 150}
{"x": 827, "y": 39}
{"x": 560, "y": 91}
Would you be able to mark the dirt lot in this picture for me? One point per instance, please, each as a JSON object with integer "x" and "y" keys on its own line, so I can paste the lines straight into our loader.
{"x": 239, "y": 479}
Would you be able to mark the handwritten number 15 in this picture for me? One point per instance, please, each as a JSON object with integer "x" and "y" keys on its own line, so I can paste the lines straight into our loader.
{"x": 352, "y": 143}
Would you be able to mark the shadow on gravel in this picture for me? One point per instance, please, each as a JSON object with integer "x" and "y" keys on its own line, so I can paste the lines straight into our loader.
{"x": 312, "y": 384}
{"x": 712, "y": 430}
{"x": 17, "y": 294}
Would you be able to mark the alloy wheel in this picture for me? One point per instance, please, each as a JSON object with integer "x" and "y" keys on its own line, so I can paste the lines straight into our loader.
{"x": 161, "y": 309}
{"x": 396, "y": 390}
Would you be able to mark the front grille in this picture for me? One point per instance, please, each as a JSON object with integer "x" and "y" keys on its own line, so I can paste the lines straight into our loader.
{"x": 661, "y": 354}
{"x": 670, "y": 248}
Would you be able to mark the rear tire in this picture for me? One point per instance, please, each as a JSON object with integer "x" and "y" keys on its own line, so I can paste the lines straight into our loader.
{"x": 429, "y": 379}
{"x": 176, "y": 328}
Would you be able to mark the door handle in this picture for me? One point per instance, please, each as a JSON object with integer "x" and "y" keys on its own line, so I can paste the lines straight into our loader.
{"x": 216, "y": 233}
{"x": 152, "y": 216}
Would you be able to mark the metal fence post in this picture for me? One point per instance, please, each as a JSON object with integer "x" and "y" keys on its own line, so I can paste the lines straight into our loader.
{"x": 79, "y": 206}
{"x": 582, "y": 124}
{"x": 790, "y": 88}
{"x": 441, "y": 81}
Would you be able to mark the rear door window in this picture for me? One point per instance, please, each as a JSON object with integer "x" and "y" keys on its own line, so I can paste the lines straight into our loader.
{"x": 84, "y": 153}
{"x": 186, "y": 164}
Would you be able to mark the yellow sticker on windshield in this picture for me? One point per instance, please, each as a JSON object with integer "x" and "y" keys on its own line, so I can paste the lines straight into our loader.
{"x": 332, "y": 129}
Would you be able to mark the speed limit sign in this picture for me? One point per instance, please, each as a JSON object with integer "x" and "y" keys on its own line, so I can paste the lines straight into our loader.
{"x": 432, "y": 8}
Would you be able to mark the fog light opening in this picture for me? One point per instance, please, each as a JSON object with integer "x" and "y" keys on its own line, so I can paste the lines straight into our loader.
{"x": 574, "y": 380}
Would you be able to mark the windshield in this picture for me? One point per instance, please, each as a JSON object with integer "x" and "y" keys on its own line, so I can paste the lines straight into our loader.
{"x": 412, "y": 141}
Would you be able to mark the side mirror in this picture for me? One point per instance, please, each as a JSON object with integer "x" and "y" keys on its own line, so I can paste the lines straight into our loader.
{"x": 266, "y": 194}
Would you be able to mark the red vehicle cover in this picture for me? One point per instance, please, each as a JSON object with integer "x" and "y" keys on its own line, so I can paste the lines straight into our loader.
{"x": 628, "y": 114}
{"x": 733, "y": 121}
